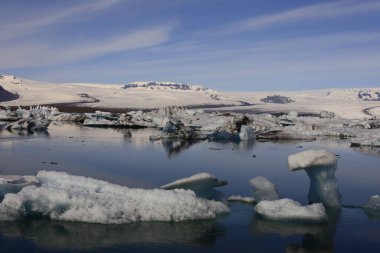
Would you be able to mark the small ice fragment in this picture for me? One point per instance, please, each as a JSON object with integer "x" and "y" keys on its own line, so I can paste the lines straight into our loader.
{"x": 263, "y": 189}
{"x": 290, "y": 210}
{"x": 238, "y": 198}
{"x": 197, "y": 181}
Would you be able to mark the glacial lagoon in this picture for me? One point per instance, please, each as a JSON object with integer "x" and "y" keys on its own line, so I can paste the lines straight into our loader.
{"x": 128, "y": 157}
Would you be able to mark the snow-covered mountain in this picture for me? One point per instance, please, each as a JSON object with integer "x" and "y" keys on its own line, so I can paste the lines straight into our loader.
{"x": 348, "y": 103}
{"x": 365, "y": 94}
{"x": 132, "y": 95}
{"x": 166, "y": 86}
{"x": 369, "y": 95}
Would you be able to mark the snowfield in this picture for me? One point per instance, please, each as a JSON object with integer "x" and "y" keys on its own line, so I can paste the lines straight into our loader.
{"x": 347, "y": 103}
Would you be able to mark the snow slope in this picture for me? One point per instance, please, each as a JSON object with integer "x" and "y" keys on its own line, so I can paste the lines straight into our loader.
{"x": 347, "y": 103}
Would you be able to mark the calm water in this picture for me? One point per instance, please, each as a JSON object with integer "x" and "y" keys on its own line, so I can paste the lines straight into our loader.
{"x": 129, "y": 158}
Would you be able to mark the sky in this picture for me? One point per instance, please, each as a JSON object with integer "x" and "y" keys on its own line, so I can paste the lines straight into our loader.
{"x": 239, "y": 45}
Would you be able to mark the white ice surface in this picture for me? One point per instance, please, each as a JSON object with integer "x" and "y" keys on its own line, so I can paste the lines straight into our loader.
{"x": 75, "y": 198}
{"x": 246, "y": 133}
{"x": 196, "y": 181}
{"x": 311, "y": 158}
{"x": 290, "y": 210}
{"x": 238, "y": 198}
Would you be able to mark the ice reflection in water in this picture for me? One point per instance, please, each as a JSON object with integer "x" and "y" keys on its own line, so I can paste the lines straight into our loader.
{"x": 315, "y": 237}
{"x": 84, "y": 236}
{"x": 112, "y": 155}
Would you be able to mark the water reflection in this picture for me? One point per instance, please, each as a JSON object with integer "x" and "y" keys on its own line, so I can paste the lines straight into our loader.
{"x": 315, "y": 237}
{"x": 372, "y": 215}
{"x": 175, "y": 147}
{"x": 25, "y": 133}
{"x": 262, "y": 226}
{"x": 374, "y": 151}
{"x": 83, "y": 236}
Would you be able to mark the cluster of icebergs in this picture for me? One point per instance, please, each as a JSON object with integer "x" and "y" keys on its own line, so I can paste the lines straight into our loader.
{"x": 65, "y": 197}
{"x": 187, "y": 124}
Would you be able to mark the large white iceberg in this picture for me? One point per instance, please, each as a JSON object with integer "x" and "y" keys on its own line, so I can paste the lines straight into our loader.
{"x": 74, "y": 198}
{"x": 320, "y": 166}
{"x": 373, "y": 203}
{"x": 263, "y": 189}
{"x": 290, "y": 210}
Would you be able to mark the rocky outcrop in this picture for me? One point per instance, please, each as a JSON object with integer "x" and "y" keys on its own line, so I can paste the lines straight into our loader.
{"x": 6, "y": 95}
{"x": 277, "y": 99}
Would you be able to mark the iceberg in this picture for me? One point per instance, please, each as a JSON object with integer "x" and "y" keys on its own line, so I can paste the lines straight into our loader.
{"x": 202, "y": 184}
{"x": 62, "y": 196}
{"x": 320, "y": 166}
{"x": 14, "y": 183}
{"x": 246, "y": 133}
{"x": 263, "y": 189}
{"x": 290, "y": 210}
{"x": 195, "y": 182}
{"x": 372, "y": 207}
{"x": 238, "y": 198}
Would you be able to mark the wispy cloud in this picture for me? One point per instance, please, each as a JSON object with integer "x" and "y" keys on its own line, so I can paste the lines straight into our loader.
{"x": 19, "y": 55}
{"x": 317, "y": 11}
{"x": 11, "y": 29}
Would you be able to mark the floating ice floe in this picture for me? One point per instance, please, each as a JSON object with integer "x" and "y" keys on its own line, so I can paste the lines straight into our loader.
{"x": 196, "y": 181}
{"x": 320, "y": 166}
{"x": 74, "y": 198}
{"x": 203, "y": 184}
{"x": 372, "y": 141}
{"x": 263, "y": 189}
{"x": 373, "y": 203}
{"x": 372, "y": 207}
{"x": 290, "y": 210}
{"x": 281, "y": 134}
{"x": 238, "y": 198}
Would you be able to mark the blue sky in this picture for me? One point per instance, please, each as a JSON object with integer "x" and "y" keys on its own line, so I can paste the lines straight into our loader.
{"x": 223, "y": 44}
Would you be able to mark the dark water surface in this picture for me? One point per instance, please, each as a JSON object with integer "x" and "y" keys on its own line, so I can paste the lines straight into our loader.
{"x": 129, "y": 158}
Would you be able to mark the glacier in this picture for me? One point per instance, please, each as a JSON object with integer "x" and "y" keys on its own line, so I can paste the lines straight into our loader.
{"x": 66, "y": 197}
